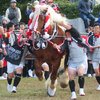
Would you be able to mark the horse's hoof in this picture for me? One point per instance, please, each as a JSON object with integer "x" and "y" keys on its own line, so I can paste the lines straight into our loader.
{"x": 51, "y": 92}
{"x": 63, "y": 85}
{"x": 40, "y": 78}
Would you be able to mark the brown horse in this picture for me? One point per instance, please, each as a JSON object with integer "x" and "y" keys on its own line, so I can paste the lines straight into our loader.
{"x": 49, "y": 55}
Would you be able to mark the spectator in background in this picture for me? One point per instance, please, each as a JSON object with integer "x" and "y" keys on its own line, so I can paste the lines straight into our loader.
{"x": 22, "y": 25}
{"x": 4, "y": 20}
{"x": 85, "y": 8}
{"x": 13, "y": 13}
{"x": 73, "y": 0}
{"x": 99, "y": 19}
{"x": 90, "y": 29}
{"x": 2, "y": 52}
{"x": 94, "y": 1}
{"x": 53, "y": 5}
{"x": 90, "y": 71}
{"x": 43, "y": 1}
{"x": 4, "y": 24}
{"x": 28, "y": 10}
{"x": 4, "y": 27}
{"x": 94, "y": 40}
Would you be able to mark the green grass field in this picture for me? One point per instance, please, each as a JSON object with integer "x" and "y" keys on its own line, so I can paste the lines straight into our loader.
{"x": 32, "y": 89}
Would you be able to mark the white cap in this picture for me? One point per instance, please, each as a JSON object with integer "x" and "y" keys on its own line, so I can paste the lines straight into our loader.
{"x": 4, "y": 18}
{"x": 36, "y": 2}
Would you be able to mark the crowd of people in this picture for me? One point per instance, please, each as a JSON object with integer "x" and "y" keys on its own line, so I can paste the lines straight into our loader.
{"x": 15, "y": 44}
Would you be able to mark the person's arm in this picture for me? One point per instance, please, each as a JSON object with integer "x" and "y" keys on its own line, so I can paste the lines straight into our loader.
{"x": 56, "y": 46}
{"x": 75, "y": 33}
{"x": 6, "y": 14}
{"x": 94, "y": 47}
{"x": 23, "y": 39}
{"x": 1, "y": 50}
{"x": 4, "y": 52}
{"x": 65, "y": 25}
{"x": 31, "y": 46}
{"x": 19, "y": 15}
{"x": 62, "y": 47}
{"x": 27, "y": 7}
{"x": 91, "y": 42}
{"x": 91, "y": 6}
{"x": 91, "y": 38}
{"x": 28, "y": 12}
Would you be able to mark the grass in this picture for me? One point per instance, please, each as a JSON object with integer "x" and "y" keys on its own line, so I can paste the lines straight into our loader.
{"x": 32, "y": 89}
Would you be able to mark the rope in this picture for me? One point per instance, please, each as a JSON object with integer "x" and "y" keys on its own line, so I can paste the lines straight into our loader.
{"x": 34, "y": 41}
{"x": 54, "y": 35}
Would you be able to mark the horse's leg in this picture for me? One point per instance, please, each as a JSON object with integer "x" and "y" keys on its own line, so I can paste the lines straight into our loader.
{"x": 38, "y": 69}
{"x": 64, "y": 79}
{"x": 52, "y": 87}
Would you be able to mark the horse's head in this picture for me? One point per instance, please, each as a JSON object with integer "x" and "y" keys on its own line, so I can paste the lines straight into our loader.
{"x": 42, "y": 12}
{"x": 44, "y": 18}
{"x": 39, "y": 18}
{"x": 41, "y": 23}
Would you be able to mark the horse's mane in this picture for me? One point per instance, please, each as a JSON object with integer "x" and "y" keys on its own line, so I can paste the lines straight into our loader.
{"x": 54, "y": 17}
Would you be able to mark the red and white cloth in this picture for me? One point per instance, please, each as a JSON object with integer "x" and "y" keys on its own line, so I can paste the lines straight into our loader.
{"x": 86, "y": 41}
{"x": 35, "y": 25}
{"x": 29, "y": 33}
{"x": 32, "y": 26}
{"x": 47, "y": 23}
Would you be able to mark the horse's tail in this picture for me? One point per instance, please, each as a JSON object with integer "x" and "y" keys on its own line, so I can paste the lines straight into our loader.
{"x": 63, "y": 74}
{"x": 64, "y": 79}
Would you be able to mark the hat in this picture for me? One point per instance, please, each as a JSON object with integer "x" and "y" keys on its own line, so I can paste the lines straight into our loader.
{"x": 36, "y": 2}
{"x": 4, "y": 18}
{"x": 12, "y": 1}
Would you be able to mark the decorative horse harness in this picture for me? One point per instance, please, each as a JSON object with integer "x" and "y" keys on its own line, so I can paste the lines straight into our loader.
{"x": 38, "y": 37}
